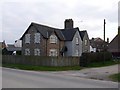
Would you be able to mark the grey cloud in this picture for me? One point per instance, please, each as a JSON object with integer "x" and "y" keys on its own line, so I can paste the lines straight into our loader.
{"x": 119, "y": 13}
{"x": 18, "y": 15}
{"x": 96, "y": 12}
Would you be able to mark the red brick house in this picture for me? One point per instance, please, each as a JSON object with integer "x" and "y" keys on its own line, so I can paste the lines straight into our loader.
{"x": 42, "y": 40}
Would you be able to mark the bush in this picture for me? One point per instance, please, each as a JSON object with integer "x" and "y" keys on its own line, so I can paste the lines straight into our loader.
{"x": 18, "y": 52}
{"x": 87, "y": 58}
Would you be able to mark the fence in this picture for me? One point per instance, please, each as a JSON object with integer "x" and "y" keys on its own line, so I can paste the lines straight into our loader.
{"x": 40, "y": 60}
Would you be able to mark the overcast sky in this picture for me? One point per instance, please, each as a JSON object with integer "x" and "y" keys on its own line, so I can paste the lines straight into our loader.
{"x": 16, "y": 16}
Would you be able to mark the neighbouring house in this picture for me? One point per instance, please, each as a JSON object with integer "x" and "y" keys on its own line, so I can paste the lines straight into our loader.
{"x": 99, "y": 45}
{"x": 10, "y": 49}
{"x": 114, "y": 45}
{"x": 13, "y": 50}
{"x": 2, "y": 45}
{"x": 92, "y": 49}
{"x": 48, "y": 41}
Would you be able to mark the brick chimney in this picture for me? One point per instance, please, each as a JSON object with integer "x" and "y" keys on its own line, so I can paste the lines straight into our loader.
{"x": 68, "y": 24}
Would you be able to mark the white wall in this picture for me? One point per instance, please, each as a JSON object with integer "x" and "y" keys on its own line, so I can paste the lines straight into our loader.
{"x": 76, "y": 47}
{"x": 68, "y": 44}
{"x": 18, "y": 43}
{"x": 92, "y": 49}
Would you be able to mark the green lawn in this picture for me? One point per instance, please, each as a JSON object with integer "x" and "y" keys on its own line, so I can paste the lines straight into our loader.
{"x": 115, "y": 77}
{"x": 41, "y": 68}
{"x": 101, "y": 64}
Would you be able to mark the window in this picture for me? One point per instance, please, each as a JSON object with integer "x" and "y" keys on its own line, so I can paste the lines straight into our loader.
{"x": 53, "y": 52}
{"x": 53, "y": 39}
{"x": 85, "y": 42}
{"x": 77, "y": 53}
{"x": 37, "y": 38}
{"x": 27, "y": 38}
{"x": 77, "y": 41}
{"x": 27, "y": 51}
{"x": 37, "y": 52}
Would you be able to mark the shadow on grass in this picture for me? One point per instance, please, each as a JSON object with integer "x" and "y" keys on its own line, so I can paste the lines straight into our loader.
{"x": 41, "y": 68}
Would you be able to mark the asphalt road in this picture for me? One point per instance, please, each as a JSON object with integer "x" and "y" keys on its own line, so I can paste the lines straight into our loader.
{"x": 13, "y": 78}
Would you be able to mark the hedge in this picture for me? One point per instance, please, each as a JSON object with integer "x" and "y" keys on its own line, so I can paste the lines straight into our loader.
{"x": 87, "y": 58}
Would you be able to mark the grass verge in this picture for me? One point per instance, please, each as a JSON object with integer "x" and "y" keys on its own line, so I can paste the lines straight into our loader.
{"x": 115, "y": 77}
{"x": 41, "y": 68}
{"x": 101, "y": 64}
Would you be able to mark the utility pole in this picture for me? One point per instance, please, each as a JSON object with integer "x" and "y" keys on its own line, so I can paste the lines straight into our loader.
{"x": 104, "y": 43}
{"x": 104, "y": 29}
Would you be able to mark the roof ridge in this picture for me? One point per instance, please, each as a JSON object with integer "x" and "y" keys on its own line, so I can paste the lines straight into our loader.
{"x": 83, "y": 31}
{"x": 114, "y": 38}
{"x": 33, "y": 23}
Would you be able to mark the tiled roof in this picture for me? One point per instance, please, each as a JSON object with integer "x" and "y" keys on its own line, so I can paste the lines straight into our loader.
{"x": 69, "y": 33}
{"x": 82, "y": 33}
{"x": 11, "y": 47}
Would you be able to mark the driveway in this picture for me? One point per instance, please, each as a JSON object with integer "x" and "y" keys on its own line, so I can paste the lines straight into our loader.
{"x": 100, "y": 73}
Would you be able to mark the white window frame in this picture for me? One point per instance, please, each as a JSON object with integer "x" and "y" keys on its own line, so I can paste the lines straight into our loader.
{"x": 53, "y": 39}
{"x": 37, "y": 38}
{"x": 37, "y": 52}
{"x": 77, "y": 52}
{"x": 27, "y": 51}
{"x": 27, "y": 38}
{"x": 53, "y": 52}
{"x": 85, "y": 42}
{"x": 77, "y": 40}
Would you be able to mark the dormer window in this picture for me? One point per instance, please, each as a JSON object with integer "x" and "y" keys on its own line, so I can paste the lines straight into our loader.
{"x": 77, "y": 40}
{"x": 37, "y": 38}
{"x": 53, "y": 39}
{"x": 27, "y": 38}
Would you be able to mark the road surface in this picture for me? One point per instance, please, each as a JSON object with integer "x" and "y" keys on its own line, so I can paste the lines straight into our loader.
{"x": 13, "y": 78}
